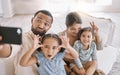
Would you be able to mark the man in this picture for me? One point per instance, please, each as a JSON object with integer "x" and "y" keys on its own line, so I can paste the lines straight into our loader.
{"x": 73, "y": 24}
{"x": 41, "y": 23}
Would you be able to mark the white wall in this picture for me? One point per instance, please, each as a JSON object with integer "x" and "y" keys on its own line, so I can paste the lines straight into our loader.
{"x": 6, "y": 8}
{"x": 1, "y": 10}
{"x": 54, "y": 6}
{"x": 25, "y": 7}
{"x": 115, "y": 7}
{"x": 31, "y": 6}
{"x": 28, "y": 6}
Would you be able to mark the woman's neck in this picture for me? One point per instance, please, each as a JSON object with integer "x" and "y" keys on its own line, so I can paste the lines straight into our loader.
{"x": 71, "y": 39}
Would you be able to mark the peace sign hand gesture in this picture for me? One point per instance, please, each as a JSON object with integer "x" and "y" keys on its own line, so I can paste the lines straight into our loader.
{"x": 95, "y": 28}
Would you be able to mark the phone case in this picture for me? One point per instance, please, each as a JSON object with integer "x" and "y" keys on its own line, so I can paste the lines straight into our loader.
{"x": 11, "y": 35}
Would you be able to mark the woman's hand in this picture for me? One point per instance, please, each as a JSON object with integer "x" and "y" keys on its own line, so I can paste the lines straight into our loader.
{"x": 94, "y": 27}
{"x": 65, "y": 41}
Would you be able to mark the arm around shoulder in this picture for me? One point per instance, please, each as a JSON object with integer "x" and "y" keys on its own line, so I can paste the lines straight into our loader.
{"x": 71, "y": 53}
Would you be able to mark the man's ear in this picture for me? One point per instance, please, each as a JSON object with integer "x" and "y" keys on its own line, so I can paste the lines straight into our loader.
{"x": 32, "y": 20}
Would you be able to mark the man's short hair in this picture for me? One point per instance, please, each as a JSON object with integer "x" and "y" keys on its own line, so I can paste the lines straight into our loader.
{"x": 44, "y": 12}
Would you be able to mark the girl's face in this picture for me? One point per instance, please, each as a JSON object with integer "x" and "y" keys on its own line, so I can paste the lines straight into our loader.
{"x": 50, "y": 48}
{"x": 86, "y": 38}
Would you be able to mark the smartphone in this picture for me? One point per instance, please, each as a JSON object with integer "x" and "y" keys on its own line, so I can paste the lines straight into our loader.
{"x": 11, "y": 35}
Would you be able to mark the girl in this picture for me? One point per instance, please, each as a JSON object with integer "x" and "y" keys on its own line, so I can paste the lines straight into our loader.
{"x": 86, "y": 49}
{"x": 50, "y": 57}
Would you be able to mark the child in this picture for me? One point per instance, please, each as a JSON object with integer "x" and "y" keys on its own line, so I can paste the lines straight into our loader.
{"x": 50, "y": 57}
{"x": 86, "y": 49}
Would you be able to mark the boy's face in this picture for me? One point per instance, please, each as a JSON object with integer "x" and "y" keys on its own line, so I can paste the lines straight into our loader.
{"x": 74, "y": 29}
{"x": 86, "y": 38}
{"x": 50, "y": 48}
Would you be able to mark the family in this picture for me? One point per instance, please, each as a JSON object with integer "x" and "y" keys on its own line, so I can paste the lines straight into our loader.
{"x": 71, "y": 52}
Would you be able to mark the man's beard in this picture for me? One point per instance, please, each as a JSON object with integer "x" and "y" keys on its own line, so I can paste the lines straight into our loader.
{"x": 37, "y": 32}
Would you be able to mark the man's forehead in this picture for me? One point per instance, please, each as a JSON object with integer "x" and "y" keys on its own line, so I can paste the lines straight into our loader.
{"x": 44, "y": 17}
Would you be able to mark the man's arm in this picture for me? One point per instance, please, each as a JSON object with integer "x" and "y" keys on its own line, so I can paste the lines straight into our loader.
{"x": 5, "y": 50}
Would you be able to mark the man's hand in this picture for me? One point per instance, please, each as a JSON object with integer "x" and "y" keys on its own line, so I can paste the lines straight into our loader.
{"x": 37, "y": 42}
{"x": 1, "y": 46}
{"x": 5, "y": 49}
{"x": 0, "y": 38}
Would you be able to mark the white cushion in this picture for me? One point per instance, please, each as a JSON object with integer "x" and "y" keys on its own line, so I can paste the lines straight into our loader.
{"x": 106, "y": 58}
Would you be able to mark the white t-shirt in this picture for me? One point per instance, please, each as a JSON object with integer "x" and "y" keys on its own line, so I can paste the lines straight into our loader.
{"x": 27, "y": 43}
{"x": 6, "y": 64}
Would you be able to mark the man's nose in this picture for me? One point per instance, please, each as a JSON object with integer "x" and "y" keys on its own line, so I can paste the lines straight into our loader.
{"x": 41, "y": 25}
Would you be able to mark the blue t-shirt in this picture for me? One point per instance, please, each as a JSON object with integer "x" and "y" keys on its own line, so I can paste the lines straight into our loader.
{"x": 54, "y": 66}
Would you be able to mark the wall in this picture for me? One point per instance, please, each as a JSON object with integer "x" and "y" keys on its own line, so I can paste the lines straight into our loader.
{"x": 115, "y": 7}
{"x": 6, "y": 8}
{"x": 54, "y": 6}
{"x": 28, "y": 6}
{"x": 31, "y": 6}
{"x": 25, "y": 7}
{"x": 1, "y": 11}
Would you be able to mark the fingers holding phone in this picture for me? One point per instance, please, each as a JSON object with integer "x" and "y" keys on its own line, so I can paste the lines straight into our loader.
{"x": 1, "y": 46}
{"x": 0, "y": 38}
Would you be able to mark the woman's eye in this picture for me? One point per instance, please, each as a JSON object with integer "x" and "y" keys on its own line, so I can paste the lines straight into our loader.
{"x": 83, "y": 36}
{"x": 45, "y": 46}
{"x": 72, "y": 29}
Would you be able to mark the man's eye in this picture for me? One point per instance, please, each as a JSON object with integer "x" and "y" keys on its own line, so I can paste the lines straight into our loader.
{"x": 54, "y": 47}
{"x": 38, "y": 20}
{"x": 47, "y": 24}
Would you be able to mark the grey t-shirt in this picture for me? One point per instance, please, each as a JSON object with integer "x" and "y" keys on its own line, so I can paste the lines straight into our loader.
{"x": 85, "y": 55}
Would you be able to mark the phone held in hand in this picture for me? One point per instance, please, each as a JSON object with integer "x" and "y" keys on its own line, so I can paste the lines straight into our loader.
{"x": 11, "y": 35}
